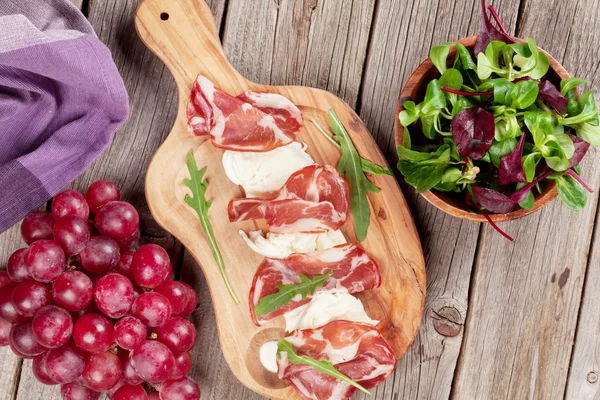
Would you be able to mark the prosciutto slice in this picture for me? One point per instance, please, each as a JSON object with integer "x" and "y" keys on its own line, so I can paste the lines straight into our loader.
{"x": 353, "y": 271}
{"x": 356, "y": 350}
{"x": 314, "y": 199}
{"x": 252, "y": 121}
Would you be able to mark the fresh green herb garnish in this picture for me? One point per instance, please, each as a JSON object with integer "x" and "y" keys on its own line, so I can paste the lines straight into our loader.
{"x": 354, "y": 167}
{"x": 286, "y": 293}
{"x": 323, "y": 366}
{"x": 199, "y": 203}
{"x": 510, "y": 127}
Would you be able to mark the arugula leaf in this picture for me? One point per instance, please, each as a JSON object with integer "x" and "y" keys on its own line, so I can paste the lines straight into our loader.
{"x": 589, "y": 133}
{"x": 571, "y": 192}
{"x": 438, "y": 55}
{"x": 434, "y": 98}
{"x": 371, "y": 168}
{"x": 410, "y": 113}
{"x": 524, "y": 94}
{"x": 501, "y": 148}
{"x": 367, "y": 165}
{"x": 568, "y": 84}
{"x": 423, "y": 170}
{"x": 324, "y": 366}
{"x": 198, "y": 202}
{"x": 286, "y": 293}
{"x": 529, "y": 200}
{"x": 529, "y": 164}
{"x": 465, "y": 58}
{"x": 350, "y": 166}
{"x": 451, "y": 78}
{"x": 587, "y": 111}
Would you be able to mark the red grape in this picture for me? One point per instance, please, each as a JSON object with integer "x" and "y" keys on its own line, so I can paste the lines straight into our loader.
{"x": 130, "y": 333}
{"x": 178, "y": 294}
{"x": 37, "y": 225}
{"x": 73, "y": 291}
{"x": 101, "y": 192}
{"x": 114, "y": 295}
{"x": 124, "y": 265}
{"x": 93, "y": 333}
{"x": 117, "y": 219}
{"x": 183, "y": 364}
{"x": 153, "y": 361}
{"x": 154, "y": 396}
{"x": 130, "y": 375}
{"x": 70, "y": 202}
{"x": 65, "y": 364}
{"x": 39, "y": 370}
{"x": 129, "y": 392}
{"x": 130, "y": 241}
{"x": 16, "y": 267}
{"x": 4, "y": 279}
{"x": 152, "y": 308}
{"x": 179, "y": 389}
{"x": 110, "y": 392}
{"x": 102, "y": 371}
{"x": 52, "y": 326}
{"x": 90, "y": 309}
{"x": 74, "y": 391}
{"x": 24, "y": 341}
{"x": 150, "y": 266}
{"x": 100, "y": 254}
{"x": 177, "y": 334}
{"x": 8, "y": 312}
{"x": 29, "y": 297}
{"x": 5, "y": 328}
{"x": 71, "y": 233}
{"x": 191, "y": 306}
{"x": 45, "y": 260}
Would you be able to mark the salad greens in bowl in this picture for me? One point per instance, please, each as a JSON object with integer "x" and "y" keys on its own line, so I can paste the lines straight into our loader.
{"x": 491, "y": 128}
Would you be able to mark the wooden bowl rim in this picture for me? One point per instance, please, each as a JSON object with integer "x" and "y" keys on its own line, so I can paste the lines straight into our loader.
{"x": 433, "y": 197}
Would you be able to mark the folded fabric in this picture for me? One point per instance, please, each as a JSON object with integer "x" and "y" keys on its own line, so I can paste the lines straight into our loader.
{"x": 61, "y": 101}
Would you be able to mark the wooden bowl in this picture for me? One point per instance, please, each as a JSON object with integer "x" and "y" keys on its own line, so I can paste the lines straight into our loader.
{"x": 415, "y": 90}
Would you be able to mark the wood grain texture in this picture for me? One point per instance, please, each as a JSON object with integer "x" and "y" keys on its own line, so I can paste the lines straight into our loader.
{"x": 392, "y": 238}
{"x": 526, "y": 296}
{"x": 402, "y": 34}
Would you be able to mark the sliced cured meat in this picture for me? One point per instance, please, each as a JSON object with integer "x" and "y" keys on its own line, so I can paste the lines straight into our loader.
{"x": 356, "y": 350}
{"x": 353, "y": 271}
{"x": 313, "y": 200}
{"x": 250, "y": 122}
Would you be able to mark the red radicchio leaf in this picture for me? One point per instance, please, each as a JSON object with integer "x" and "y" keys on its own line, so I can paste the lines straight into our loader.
{"x": 470, "y": 202}
{"x": 511, "y": 165}
{"x": 550, "y": 94}
{"x": 492, "y": 200}
{"x": 520, "y": 194}
{"x": 473, "y": 132}
{"x": 581, "y": 147}
{"x": 489, "y": 32}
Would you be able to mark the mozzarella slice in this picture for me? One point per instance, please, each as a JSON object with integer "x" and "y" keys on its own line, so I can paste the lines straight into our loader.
{"x": 281, "y": 245}
{"x": 325, "y": 307}
{"x": 263, "y": 173}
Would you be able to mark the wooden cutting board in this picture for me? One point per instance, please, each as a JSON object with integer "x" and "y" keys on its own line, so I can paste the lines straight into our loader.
{"x": 183, "y": 34}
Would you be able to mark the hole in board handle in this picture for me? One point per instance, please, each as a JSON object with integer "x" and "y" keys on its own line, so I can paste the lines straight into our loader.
{"x": 164, "y": 16}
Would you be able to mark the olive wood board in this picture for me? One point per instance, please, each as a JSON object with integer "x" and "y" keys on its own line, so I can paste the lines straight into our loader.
{"x": 183, "y": 35}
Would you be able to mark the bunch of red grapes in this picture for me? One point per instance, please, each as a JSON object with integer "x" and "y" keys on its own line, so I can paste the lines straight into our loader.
{"x": 93, "y": 312}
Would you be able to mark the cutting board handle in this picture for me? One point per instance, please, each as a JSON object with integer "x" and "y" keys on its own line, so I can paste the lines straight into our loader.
{"x": 183, "y": 34}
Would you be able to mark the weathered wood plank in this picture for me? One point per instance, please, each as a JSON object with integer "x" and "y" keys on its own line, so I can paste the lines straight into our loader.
{"x": 581, "y": 56}
{"x": 526, "y": 296}
{"x": 403, "y": 33}
{"x": 153, "y": 102}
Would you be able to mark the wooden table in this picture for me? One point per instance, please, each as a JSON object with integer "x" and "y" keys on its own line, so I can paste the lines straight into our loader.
{"x": 502, "y": 320}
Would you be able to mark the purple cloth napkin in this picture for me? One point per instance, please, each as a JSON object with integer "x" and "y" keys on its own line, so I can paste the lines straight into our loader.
{"x": 61, "y": 101}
